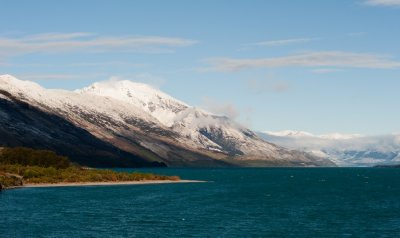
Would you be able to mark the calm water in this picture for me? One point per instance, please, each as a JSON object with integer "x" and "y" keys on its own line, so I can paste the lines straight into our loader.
{"x": 337, "y": 202}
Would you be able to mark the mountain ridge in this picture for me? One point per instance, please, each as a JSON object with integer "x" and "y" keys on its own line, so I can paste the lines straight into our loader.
{"x": 150, "y": 124}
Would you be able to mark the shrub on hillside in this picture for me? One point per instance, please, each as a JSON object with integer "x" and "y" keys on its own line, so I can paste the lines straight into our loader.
{"x": 30, "y": 157}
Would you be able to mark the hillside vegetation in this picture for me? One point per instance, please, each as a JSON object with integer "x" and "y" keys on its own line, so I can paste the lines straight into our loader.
{"x": 27, "y": 166}
{"x": 30, "y": 157}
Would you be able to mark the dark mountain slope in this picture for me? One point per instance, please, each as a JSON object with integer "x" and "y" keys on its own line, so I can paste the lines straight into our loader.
{"x": 24, "y": 125}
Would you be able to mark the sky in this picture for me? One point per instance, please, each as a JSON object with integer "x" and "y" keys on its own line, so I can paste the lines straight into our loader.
{"x": 317, "y": 66}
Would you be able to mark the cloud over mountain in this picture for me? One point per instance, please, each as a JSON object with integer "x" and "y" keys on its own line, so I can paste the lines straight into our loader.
{"x": 343, "y": 149}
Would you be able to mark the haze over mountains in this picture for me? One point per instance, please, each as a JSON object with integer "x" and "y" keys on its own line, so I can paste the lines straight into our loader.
{"x": 126, "y": 124}
{"x": 343, "y": 149}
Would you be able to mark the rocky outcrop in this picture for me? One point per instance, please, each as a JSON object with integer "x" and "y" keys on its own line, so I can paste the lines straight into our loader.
{"x": 8, "y": 180}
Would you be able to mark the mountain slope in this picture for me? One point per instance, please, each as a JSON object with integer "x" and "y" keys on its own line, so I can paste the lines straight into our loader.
{"x": 149, "y": 124}
{"x": 124, "y": 126}
{"x": 199, "y": 129}
{"x": 24, "y": 125}
{"x": 343, "y": 149}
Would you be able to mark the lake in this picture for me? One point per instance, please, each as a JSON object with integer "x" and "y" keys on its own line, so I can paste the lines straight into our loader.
{"x": 237, "y": 202}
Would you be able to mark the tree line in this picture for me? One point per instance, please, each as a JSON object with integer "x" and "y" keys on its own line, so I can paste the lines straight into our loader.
{"x": 31, "y": 157}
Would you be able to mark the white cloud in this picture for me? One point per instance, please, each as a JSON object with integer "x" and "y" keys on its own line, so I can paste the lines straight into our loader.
{"x": 383, "y": 2}
{"x": 311, "y": 59}
{"x": 270, "y": 84}
{"x": 343, "y": 149}
{"x": 79, "y": 64}
{"x": 283, "y": 42}
{"x": 82, "y": 41}
{"x": 108, "y": 64}
{"x": 281, "y": 86}
{"x": 146, "y": 78}
{"x": 220, "y": 108}
{"x": 66, "y": 76}
{"x": 57, "y": 36}
{"x": 241, "y": 116}
{"x": 326, "y": 70}
{"x": 357, "y": 34}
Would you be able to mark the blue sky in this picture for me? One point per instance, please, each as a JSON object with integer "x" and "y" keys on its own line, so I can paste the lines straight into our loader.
{"x": 319, "y": 66}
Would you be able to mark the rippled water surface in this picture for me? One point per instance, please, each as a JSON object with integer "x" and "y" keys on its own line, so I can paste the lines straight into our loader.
{"x": 262, "y": 202}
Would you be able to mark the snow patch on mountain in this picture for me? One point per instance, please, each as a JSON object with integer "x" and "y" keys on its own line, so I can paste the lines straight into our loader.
{"x": 153, "y": 101}
{"x": 68, "y": 103}
{"x": 217, "y": 132}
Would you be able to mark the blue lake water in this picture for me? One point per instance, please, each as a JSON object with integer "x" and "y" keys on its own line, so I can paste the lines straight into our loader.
{"x": 259, "y": 202}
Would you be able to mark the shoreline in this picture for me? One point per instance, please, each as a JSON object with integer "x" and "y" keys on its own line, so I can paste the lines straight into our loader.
{"x": 78, "y": 184}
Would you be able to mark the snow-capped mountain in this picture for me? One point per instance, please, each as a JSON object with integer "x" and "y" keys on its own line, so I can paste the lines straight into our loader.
{"x": 198, "y": 128}
{"x": 156, "y": 103}
{"x": 343, "y": 149}
{"x": 147, "y": 123}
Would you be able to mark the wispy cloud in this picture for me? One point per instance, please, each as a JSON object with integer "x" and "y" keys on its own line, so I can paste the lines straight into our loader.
{"x": 57, "y": 36}
{"x": 383, "y": 2}
{"x": 281, "y": 86}
{"x": 283, "y": 42}
{"x": 312, "y": 59}
{"x": 83, "y": 41}
{"x": 66, "y": 76}
{"x": 357, "y": 34}
{"x": 220, "y": 108}
{"x": 79, "y": 64}
{"x": 326, "y": 70}
{"x": 147, "y": 78}
{"x": 267, "y": 85}
{"x": 241, "y": 115}
{"x": 107, "y": 64}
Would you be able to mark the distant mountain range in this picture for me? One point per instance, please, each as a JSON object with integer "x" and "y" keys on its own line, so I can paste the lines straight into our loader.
{"x": 127, "y": 124}
{"x": 343, "y": 149}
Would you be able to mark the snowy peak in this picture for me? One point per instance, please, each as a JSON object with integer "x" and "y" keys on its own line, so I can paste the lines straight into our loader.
{"x": 160, "y": 105}
{"x": 12, "y": 84}
{"x": 6, "y": 77}
{"x": 123, "y": 89}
